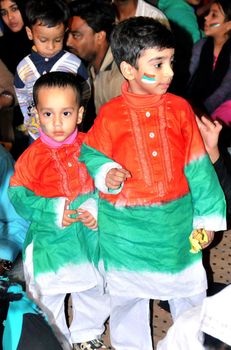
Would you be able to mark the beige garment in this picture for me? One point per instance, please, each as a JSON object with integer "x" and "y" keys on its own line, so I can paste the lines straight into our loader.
{"x": 107, "y": 82}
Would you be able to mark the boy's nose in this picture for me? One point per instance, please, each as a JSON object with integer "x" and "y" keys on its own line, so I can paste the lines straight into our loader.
{"x": 50, "y": 45}
{"x": 169, "y": 72}
{"x": 57, "y": 121}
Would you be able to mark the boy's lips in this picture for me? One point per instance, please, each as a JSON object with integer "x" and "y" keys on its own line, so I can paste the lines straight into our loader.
{"x": 58, "y": 133}
{"x": 165, "y": 85}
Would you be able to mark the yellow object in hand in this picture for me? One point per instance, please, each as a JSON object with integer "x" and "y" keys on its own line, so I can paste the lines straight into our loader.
{"x": 196, "y": 238}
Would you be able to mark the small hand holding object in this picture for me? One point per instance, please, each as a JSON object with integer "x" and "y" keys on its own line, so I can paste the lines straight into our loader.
{"x": 87, "y": 219}
{"x": 200, "y": 239}
{"x": 115, "y": 177}
{"x": 69, "y": 215}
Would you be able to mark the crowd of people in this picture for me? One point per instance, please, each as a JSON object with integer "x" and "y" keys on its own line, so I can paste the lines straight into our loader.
{"x": 119, "y": 115}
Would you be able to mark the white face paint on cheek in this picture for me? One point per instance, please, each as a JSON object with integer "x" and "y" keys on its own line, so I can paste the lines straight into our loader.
{"x": 148, "y": 78}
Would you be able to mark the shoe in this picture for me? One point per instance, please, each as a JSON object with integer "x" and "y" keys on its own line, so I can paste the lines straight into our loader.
{"x": 91, "y": 345}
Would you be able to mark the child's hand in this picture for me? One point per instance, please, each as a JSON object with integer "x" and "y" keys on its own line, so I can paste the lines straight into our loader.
{"x": 67, "y": 220}
{"x": 87, "y": 219}
{"x": 210, "y": 235}
{"x": 210, "y": 131}
{"x": 115, "y": 177}
{"x": 200, "y": 239}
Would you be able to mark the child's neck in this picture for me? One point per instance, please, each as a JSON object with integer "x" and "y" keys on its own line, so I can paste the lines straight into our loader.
{"x": 219, "y": 43}
{"x": 55, "y": 144}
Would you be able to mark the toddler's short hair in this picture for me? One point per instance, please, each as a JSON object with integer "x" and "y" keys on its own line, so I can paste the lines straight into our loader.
{"x": 47, "y": 12}
{"x": 136, "y": 34}
{"x": 62, "y": 80}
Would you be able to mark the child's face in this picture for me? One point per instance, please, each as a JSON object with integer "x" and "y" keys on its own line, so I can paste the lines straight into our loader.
{"x": 11, "y": 15}
{"x": 215, "y": 24}
{"x": 154, "y": 73}
{"x": 58, "y": 111}
{"x": 47, "y": 41}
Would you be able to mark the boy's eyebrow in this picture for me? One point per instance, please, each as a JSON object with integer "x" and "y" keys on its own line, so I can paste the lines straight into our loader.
{"x": 158, "y": 58}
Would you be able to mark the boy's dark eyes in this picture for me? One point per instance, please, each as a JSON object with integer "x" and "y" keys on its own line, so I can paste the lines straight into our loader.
{"x": 158, "y": 65}
{"x": 66, "y": 114}
{"x": 47, "y": 114}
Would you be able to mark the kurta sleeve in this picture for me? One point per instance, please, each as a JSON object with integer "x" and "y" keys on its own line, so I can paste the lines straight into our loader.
{"x": 96, "y": 153}
{"x": 207, "y": 196}
{"x": 32, "y": 207}
{"x": 48, "y": 211}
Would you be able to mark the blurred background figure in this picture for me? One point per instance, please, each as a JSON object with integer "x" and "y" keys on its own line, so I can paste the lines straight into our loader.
{"x": 183, "y": 20}
{"x": 131, "y": 8}
{"x": 209, "y": 88}
{"x": 90, "y": 27}
{"x": 14, "y": 45}
{"x": 13, "y": 228}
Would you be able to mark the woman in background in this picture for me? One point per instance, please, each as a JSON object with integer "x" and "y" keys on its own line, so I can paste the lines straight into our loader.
{"x": 14, "y": 44}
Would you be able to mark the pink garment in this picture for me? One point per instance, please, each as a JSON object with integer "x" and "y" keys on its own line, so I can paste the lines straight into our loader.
{"x": 223, "y": 112}
{"x": 55, "y": 144}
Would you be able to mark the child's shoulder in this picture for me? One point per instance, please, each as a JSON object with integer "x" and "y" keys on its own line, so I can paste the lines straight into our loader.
{"x": 70, "y": 56}
{"x": 31, "y": 152}
{"x": 176, "y": 100}
{"x": 23, "y": 62}
{"x": 114, "y": 103}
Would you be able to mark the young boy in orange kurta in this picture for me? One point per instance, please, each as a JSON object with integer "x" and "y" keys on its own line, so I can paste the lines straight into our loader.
{"x": 157, "y": 185}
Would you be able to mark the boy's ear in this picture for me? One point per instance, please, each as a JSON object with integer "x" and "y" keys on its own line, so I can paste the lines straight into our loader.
{"x": 127, "y": 70}
{"x": 80, "y": 115}
{"x": 29, "y": 33}
{"x": 101, "y": 36}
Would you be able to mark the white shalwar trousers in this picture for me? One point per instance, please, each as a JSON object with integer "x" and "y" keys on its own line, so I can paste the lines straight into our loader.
{"x": 90, "y": 309}
{"x": 130, "y": 320}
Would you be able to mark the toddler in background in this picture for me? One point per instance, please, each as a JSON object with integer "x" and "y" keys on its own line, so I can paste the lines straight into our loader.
{"x": 46, "y": 22}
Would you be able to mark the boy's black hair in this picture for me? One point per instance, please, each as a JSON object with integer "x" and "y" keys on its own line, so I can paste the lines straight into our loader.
{"x": 47, "y": 12}
{"x": 136, "y": 34}
{"x": 59, "y": 79}
{"x": 99, "y": 14}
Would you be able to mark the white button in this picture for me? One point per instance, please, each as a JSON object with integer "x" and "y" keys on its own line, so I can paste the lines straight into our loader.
{"x": 154, "y": 153}
{"x": 152, "y": 135}
{"x": 44, "y": 72}
{"x": 69, "y": 164}
{"x": 46, "y": 59}
{"x": 148, "y": 114}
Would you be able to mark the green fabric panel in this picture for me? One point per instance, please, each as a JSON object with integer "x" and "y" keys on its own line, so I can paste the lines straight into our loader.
{"x": 147, "y": 239}
{"x": 209, "y": 198}
{"x": 93, "y": 159}
{"x": 54, "y": 246}
{"x": 34, "y": 208}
